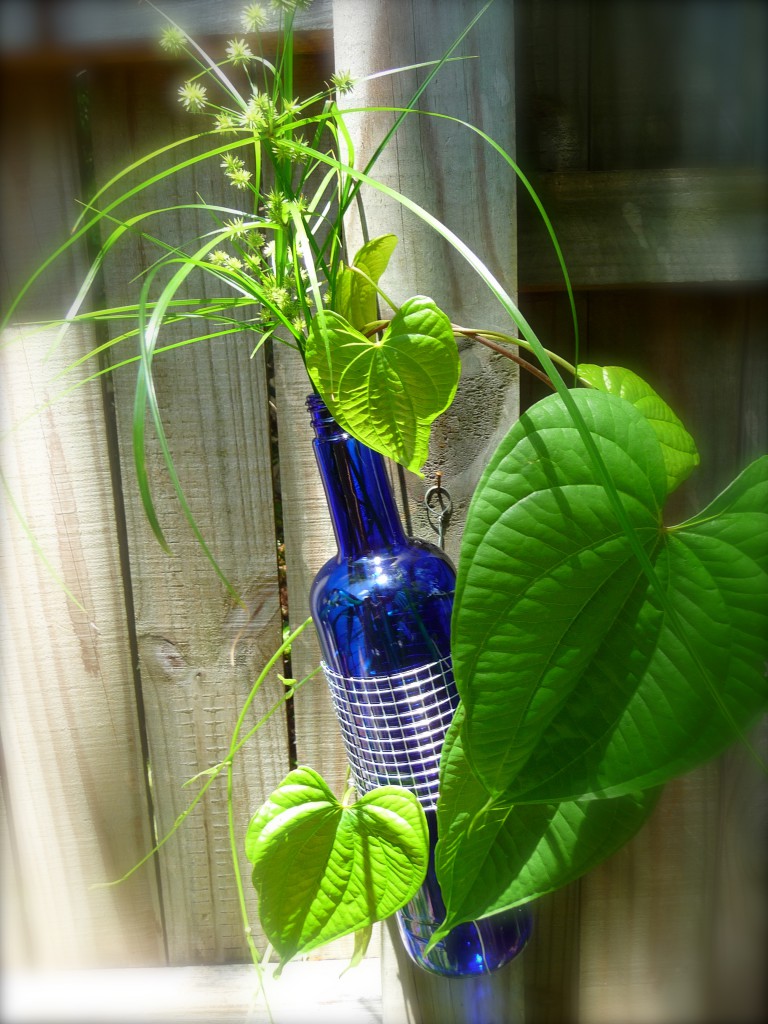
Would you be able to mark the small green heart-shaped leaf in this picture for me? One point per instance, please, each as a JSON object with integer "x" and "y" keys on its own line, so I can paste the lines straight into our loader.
{"x": 355, "y": 292}
{"x": 677, "y": 445}
{"x": 386, "y": 391}
{"x": 322, "y": 869}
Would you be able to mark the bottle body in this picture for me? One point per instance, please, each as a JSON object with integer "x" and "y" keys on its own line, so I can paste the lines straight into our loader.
{"x": 382, "y": 607}
{"x": 384, "y": 626}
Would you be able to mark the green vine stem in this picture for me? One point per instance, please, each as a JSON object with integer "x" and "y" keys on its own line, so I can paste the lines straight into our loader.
{"x": 235, "y": 746}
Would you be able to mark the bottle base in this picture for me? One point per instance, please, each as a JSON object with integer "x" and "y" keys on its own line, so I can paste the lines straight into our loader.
{"x": 470, "y": 949}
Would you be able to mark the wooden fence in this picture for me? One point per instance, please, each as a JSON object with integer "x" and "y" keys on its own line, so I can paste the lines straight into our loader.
{"x": 642, "y": 125}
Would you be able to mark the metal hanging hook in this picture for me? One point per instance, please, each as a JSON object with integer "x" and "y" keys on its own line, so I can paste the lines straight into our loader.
{"x": 439, "y": 506}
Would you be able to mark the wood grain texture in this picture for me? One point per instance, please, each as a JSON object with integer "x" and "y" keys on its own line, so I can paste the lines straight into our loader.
{"x": 70, "y": 27}
{"x": 551, "y": 959}
{"x": 651, "y": 165}
{"x": 677, "y": 85}
{"x": 15, "y": 937}
{"x": 648, "y": 227}
{"x": 738, "y": 988}
{"x": 200, "y": 649}
{"x": 642, "y": 84}
{"x": 75, "y": 781}
{"x": 309, "y": 543}
{"x": 645, "y": 916}
{"x": 552, "y": 93}
{"x": 73, "y": 773}
{"x": 457, "y": 178}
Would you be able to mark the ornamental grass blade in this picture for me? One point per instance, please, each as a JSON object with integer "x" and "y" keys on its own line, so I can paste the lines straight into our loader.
{"x": 322, "y": 869}
{"x": 387, "y": 391}
{"x": 492, "y": 855}
{"x": 576, "y": 680}
{"x": 677, "y": 445}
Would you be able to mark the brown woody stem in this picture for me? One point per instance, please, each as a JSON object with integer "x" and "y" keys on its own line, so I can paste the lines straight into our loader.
{"x": 503, "y": 351}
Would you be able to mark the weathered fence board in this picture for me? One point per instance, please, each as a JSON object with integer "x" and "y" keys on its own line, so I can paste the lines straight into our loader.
{"x": 70, "y": 26}
{"x": 425, "y": 161}
{"x": 650, "y": 188}
{"x": 643, "y": 227}
{"x": 74, "y": 774}
{"x": 645, "y": 916}
{"x": 200, "y": 646}
{"x": 309, "y": 543}
{"x": 653, "y": 185}
{"x": 677, "y": 84}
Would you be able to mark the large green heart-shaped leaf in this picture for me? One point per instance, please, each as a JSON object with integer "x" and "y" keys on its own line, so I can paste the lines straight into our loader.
{"x": 387, "y": 390}
{"x": 493, "y": 855}
{"x": 355, "y": 292}
{"x": 677, "y": 445}
{"x": 322, "y": 869}
{"x": 575, "y": 679}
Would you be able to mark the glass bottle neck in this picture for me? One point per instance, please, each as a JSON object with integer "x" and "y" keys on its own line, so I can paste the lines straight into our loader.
{"x": 360, "y": 499}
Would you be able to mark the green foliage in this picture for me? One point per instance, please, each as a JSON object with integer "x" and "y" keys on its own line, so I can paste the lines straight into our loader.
{"x": 677, "y": 446}
{"x": 494, "y": 854}
{"x": 387, "y": 390}
{"x": 587, "y": 656}
{"x": 578, "y": 687}
{"x": 323, "y": 869}
{"x": 597, "y": 651}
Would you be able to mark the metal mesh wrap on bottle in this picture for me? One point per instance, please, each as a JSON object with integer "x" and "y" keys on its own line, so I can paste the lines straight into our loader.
{"x": 393, "y": 726}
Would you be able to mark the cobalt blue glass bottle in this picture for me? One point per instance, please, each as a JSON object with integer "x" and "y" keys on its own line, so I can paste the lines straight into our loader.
{"x": 382, "y": 609}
